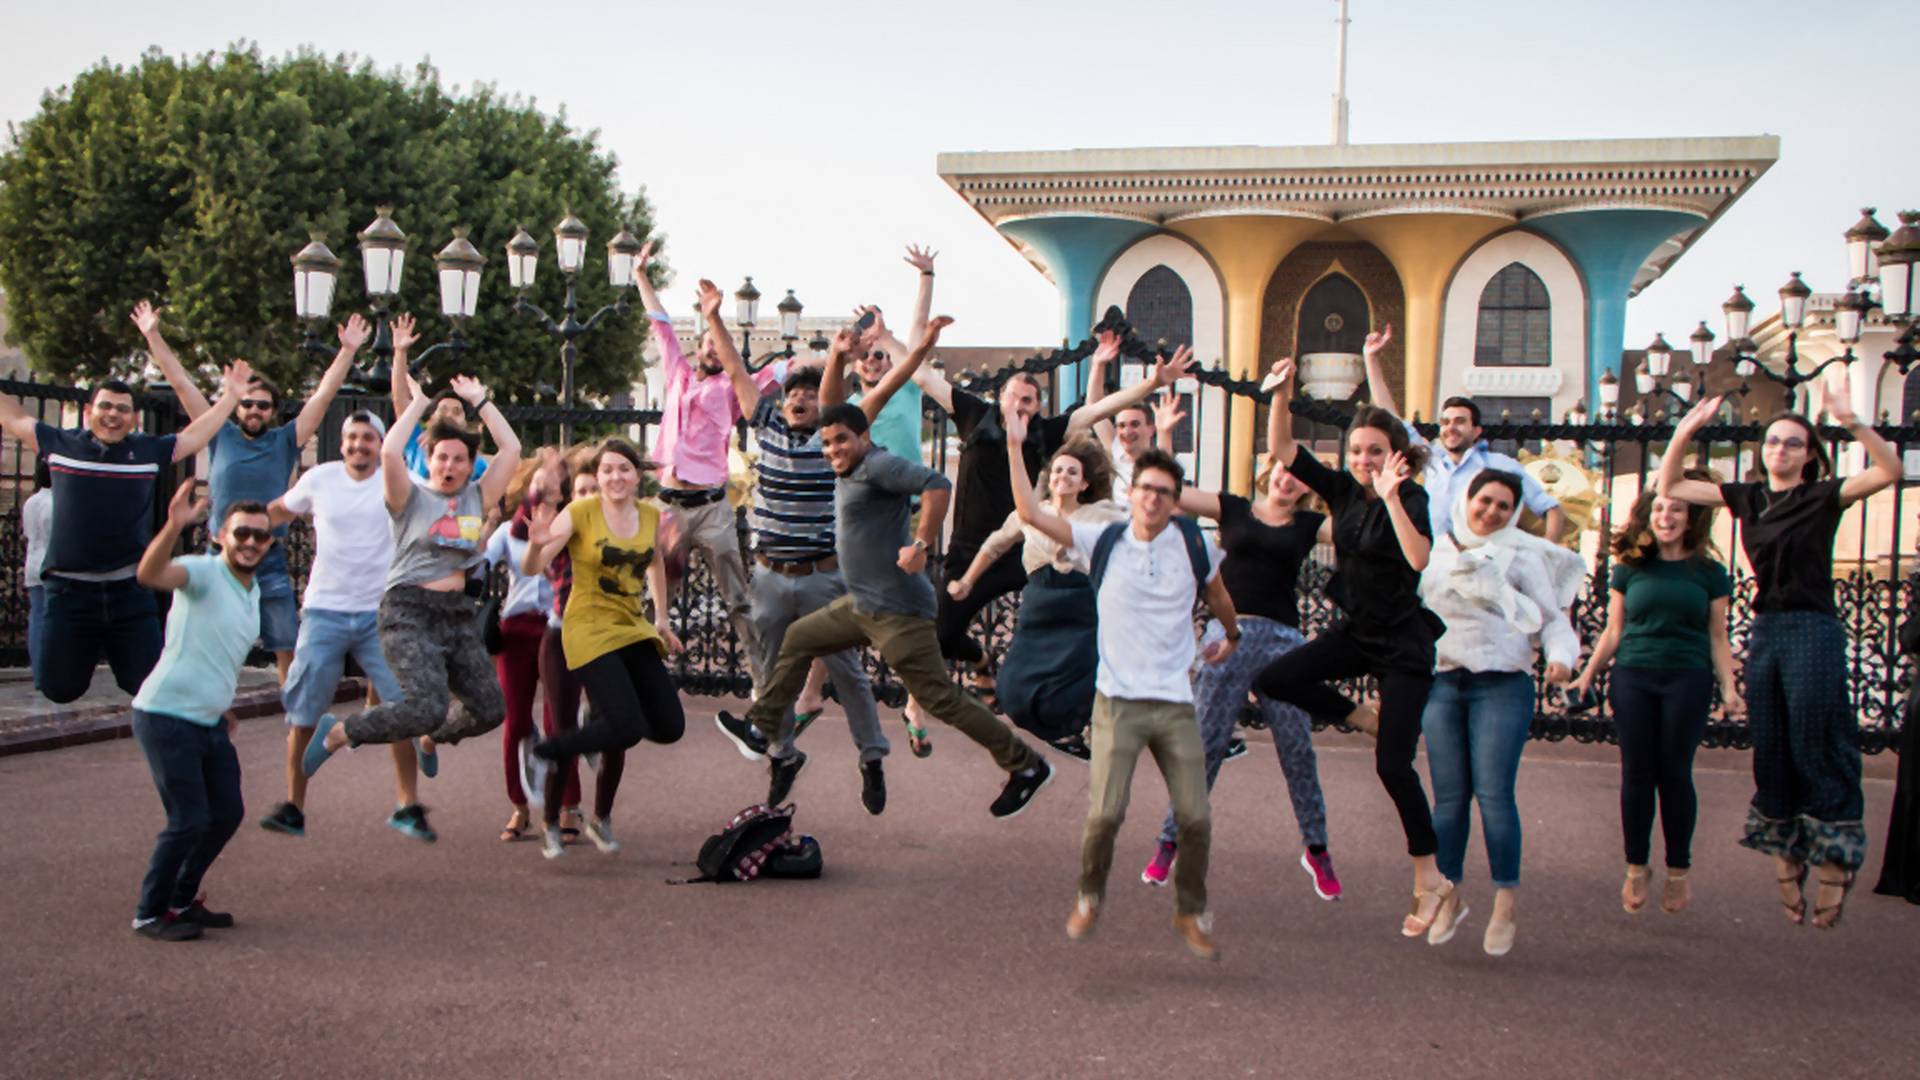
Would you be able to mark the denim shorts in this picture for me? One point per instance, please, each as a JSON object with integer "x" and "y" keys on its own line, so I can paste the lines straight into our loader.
{"x": 326, "y": 639}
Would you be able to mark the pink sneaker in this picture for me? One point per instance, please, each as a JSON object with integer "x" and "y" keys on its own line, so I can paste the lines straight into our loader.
{"x": 1162, "y": 865}
{"x": 1321, "y": 867}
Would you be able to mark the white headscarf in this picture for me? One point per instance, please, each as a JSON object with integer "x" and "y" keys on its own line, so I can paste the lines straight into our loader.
{"x": 1482, "y": 569}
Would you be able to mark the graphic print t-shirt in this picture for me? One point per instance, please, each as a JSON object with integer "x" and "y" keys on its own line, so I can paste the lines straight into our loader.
{"x": 609, "y": 584}
{"x": 435, "y": 534}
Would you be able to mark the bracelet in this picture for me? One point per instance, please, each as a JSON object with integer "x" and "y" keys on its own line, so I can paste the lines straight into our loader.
{"x": 926, "y": 273}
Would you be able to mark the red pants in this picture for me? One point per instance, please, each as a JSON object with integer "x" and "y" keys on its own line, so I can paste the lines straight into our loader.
{"x": 518, "y": 666}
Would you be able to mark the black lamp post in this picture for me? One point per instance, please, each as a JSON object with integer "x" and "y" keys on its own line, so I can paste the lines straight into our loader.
{"x": 746, "y": 312}
{"x": 1656, "y": 376}
{"x": 570, "y": 244}
{"x": 1897, "y": 257}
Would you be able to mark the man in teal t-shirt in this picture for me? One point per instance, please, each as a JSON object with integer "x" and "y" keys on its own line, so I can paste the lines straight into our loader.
{"x": 177, "y": 713}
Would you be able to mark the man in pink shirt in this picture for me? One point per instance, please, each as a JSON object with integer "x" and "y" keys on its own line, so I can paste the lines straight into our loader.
{"x": 697, "y": 418}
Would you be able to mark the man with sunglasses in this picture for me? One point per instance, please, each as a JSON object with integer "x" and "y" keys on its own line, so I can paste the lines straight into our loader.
{"x": 104, "y": 474}
{"x": 253, "y": 459}
{"x": 177, "y": 714}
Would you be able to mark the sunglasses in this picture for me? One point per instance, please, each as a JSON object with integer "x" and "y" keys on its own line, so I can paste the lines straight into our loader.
{"x": 113, "y": 407}
{"x": 1791, "y": 442}
{"x": 256, "y": 403}
{"x": 247, "y": 534}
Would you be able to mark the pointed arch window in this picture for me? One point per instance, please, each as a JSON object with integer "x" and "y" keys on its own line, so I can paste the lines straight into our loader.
{"x": 1516, "y": 321}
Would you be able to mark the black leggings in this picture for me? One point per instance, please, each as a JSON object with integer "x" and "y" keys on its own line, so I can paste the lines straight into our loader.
{"x": 1300, "y": 678}
{"x": 954, "y": 623}
{"x": 633, "y": 699}
{"x": 1659, "y": 716}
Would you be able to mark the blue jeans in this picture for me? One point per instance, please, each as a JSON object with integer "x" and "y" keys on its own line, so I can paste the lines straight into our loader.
{"x": 325, "y": 641}
{"x": 198, "y": 775}
{"x": 36, "y": 618}
{"x": 85, "y": 619}
{"x": 1476, "y": 725}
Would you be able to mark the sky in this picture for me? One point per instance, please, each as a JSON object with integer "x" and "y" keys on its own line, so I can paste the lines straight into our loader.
{"x": 795, "y": 141}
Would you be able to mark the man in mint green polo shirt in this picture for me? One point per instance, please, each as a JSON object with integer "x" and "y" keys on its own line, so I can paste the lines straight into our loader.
{"x": 177, "y": 715}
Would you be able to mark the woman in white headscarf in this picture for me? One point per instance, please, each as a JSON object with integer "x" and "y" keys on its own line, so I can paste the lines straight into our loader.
{"x": 1501, "y": 592}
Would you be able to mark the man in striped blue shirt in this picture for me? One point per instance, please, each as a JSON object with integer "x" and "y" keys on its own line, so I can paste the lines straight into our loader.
{"x": 797, "y": 571}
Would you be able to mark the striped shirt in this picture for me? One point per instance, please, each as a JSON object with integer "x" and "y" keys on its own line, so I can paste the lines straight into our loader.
{"x": 793, "y": 502}
{"x": 102, "y": 500}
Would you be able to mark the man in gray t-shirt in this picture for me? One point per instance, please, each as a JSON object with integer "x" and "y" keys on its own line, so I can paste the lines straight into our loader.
{"x": 889, "y": 603}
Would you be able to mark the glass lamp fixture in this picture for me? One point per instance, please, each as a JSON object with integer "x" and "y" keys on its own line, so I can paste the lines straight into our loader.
{"x": 623, "y": 252}
{"x": 1896, "y": 259}
{"x": 1793, "y": 302}
{"x": 746, "y": 300}
{"x": 459, "y": 266}
{"x": 570, "y": 241}
{"x": 383, "y": 251}
{"x": 1863, "y": 262}
{"x": 790, "y": 308}
{"x": 523, "y": 259}
{"x": 1849, "y": 315}
{"x": 1739, "y": 312}
{"x": 1642, "y": 381}
{"x": 314, "y": 272}
{"x": 1701, "y": 341}
{"x": 1609, "y": 387}
{"x": 1659, "y": 357}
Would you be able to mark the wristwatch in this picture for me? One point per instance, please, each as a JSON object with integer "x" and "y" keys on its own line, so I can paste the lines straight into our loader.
{"x": 1233, "y": 634}
{"x": 919, "y": 543}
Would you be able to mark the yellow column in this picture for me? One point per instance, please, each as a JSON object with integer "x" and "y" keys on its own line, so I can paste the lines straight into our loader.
{"x": 1424, "y": 249}
{"x": 1247, "y": 249}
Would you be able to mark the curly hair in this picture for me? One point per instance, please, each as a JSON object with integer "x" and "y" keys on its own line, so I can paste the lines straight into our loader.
{"x": 1096, "y": 467}
{"x": 1386, "y": 423}
{"x": 1634, "y": 543}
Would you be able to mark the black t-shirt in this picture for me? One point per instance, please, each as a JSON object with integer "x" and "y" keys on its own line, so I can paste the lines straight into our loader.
{"x": 1788, "y": 537}
{"x": 983, "y": 494}
{"x": 1375, "y": 585}
{"x": 1262, "y": 563}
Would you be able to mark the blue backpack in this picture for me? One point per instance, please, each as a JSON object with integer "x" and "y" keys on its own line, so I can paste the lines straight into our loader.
{"x": 1196, "y": 544}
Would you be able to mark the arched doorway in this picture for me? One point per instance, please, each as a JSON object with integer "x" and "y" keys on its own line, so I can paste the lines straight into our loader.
{"x": 1334, "y": 316}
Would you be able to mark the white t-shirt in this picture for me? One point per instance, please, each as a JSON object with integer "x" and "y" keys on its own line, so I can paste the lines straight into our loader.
{"x": 36, "y": 520}
{"x": 1146, "y": 599}
{"x": 352, "y": 543}
{"x": 1122, "y": 470}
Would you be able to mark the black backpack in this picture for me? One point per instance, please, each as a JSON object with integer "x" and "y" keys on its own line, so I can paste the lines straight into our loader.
{"x": 758, "y": 839}
{"x": 1190, "y": 534}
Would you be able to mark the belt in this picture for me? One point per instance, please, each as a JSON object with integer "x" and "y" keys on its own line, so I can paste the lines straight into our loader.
{"x": 801, "y": 568}
{"x": 688, "y": 499}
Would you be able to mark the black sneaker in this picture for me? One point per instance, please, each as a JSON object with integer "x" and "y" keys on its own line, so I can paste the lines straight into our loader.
{"x": 164, "y": 929}
{"x": 286, "y": 818}
{"x": 746, "y": 738}
{"x": 782, "y": 772}
{"x": 1020, "y": 790}
{"x": 1075, "y": 747}
{"x": 198, "y": 915}
{"x": 1236, "y": 748}
{"x": 411, "y": 821}
{"x": 873, "y": 787}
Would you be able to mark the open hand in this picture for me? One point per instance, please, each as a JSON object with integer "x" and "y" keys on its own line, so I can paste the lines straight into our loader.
{"x": 467, "y": 389}
{"x": 188, "y": 505}
{"x": 404, "y": 335}
{"x": 354, "y": 335}
{"x": 709, "y": 301}
{"x": 1106, "y": 346}
{"x": 920, "y": 258}
{"x": 1378, "y": 339}
{"x": 671, "y": 640}
{"x": 1170, "y": 371}
{"x": 238, "y": 377}
{"x": 934, "y": 326}
{"x": 642, "y": 261}
{"x": 1016, "y": 426}
{"x": 1167, "y": 413}
{"x": 1839, "y": 399}
{"x": 1698, "y": 417}
{"x": 1386, "y": 482}
{"x": 145, "y": 318}
{"x": 540, "y": 522}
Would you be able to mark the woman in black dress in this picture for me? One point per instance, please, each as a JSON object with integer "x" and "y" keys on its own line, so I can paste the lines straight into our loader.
{"x": 1900, "y": 873}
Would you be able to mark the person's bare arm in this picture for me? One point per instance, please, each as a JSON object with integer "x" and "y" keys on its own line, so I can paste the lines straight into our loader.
{"x": 1025, "y": 503}
{"x": 1413, "y": 545}
{"x": 278, "y": 513}
{"x": 1885, "y": 470}
{"x": 403, "y": 386}
{"x": 1165, "y": 374}
{"x": 1672, "y": 482}
{"x": 353, "y": 337}
{"x": 1607, "y": 643}
{"x": 506, "y": 456}
{"x": 933, "y": 514}
{"x": 997, "y": 543}
{"x": 649, "y": 299}
{"x": 660, "y": 589}
{"x": 1730, "y": 698}
{"x": 1220, "y": 606}
{"x": 1199, "y": 503}
{"x": 394, "y": 476}
{"x": 833, "y": 378}
{"x": 157, "y": 570}
{"x": 1280, "y": 445}
{"x": 1167, "y": 414}
{"x": 16, "y": 421}
{"x": 1378, "y": 391}
{"x": 1556, "y": 524}
{"x": 921, "y": 259}
{"x": 1106, "y": 348}
{"x": 195, "y": 436}
{"x": 745, "y": 391}
{"x": 548, "y": 530}
{"x": 147, "y": 321}
{"x": 876, "y": 397}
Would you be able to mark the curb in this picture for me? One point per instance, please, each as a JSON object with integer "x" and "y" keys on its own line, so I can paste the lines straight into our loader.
{"x": 79, "y": 727}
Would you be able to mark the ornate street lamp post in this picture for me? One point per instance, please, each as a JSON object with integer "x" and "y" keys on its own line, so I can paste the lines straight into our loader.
{"x": 570, "y": 250}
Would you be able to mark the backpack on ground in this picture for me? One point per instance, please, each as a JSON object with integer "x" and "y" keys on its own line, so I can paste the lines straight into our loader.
{"x": 1195, "y": 540}
{"x": 756, "y": 837}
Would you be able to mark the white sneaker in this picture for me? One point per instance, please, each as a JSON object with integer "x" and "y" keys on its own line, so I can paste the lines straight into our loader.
{"x": 600, "y": 831}
{"x": 550, "y": 843}
{"x": 534, "y": 771}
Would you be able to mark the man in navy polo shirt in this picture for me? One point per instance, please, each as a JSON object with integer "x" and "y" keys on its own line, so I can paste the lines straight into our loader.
{"x": 103, "y": 483}
{"x": 252, "y": 460}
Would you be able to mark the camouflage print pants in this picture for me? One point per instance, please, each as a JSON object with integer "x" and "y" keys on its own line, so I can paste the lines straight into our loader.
{"x": 433, "y": 644}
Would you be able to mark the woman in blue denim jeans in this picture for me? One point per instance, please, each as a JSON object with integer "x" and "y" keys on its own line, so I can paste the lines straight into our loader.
{"x": 1500, "y": 591}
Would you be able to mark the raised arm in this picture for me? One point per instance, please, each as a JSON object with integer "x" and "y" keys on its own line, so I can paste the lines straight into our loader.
{"x": 157, "y": 570}
{"x": 195, "y": 436}
{"x": 745, "y": 390}
{"x": 648, "y": 298}
{"x": 147, "y": 320}
{"x": 394, "y": 476}
{"x": 1672, "y": 482}
{"x": 673, "y": 362}
{"x": 1106, "y": 348}
{"x": 1165, "y": 374}
{"x": 403, "y": 386}
{"x": 1885, "y": 470}
{"x": 1280, "y": 444}
{"x": 1199, "y": 503}
{"x": 548, "y": 530}
{"x": 1167, "y": 414}
{"x": 16, "y": 421}
{"x": 1025, "y": 502}
{"x": 876, "y": 397}
{"x": 506, "y": 456}
{"x": 353, "y": 337}
{"x": 1378, "y": 391}
{"x": 1414, "y": 546}
{"x": 833, "y": 378}
{"x": 921, "y": 259}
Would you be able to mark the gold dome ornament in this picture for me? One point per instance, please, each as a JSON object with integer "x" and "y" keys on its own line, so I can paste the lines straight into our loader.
{"x": 1577, "y": 489}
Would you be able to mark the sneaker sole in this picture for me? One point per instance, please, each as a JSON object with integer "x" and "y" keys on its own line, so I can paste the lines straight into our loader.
{"x": 283, "y": 829}
{"x": 1158, "y": 883}
{"x": 607, "y": 847}
{"x": 1308, "y": 867}
{"x": 533, "y": 778}
{"x": 1048, "y": 779}
{"x": 746, "y": 751}
{"x": 412, "y": 833}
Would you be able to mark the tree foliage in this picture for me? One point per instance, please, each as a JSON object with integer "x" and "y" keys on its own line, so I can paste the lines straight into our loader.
{"x": 193, "y": 181}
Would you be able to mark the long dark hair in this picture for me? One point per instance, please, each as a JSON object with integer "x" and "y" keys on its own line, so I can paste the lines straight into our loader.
{"x": 1819, "y": 463}
{"x": 1384, "y": 422}
{"x": 1096, "y": 468}
{"x": 1634, "y": 543}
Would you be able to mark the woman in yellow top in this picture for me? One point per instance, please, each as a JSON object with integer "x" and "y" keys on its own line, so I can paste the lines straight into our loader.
{"x": 615, "y": 651}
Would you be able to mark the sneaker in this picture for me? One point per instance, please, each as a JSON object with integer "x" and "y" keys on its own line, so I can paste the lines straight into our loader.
{"x": 1020, "y": 790}
{"x": 781, "y": 776}
{"x": 550, "y": 843}
{"x": 197, "y": 914}
{"x": 1236, "y": 748}
{"x": 1086, "y": 912}
{"x": 411, "y": 821}
{"x": 1075, "y": 747}
{"x": 873, "y": 787}
{"x": 286, "y": 818}
{"x": 1321, "y": 867}
{"x": 600, "y": 831}
{"x": 429, "y": 759}
{"x": 1161, "y": 866}
{"x": 167, "y": 929}
{"x": 1197, "y": 931}
{"x": 317, "y": 752}
{"x": 534, "y": 771}
{"x": 746, "y": 738}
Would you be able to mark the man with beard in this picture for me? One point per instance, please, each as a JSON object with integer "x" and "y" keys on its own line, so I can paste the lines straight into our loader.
{"x": 103, "y": 481}
{"x": 252, "y": 459}
{"x": 177, "y": 713}
{"x": 352, "y": 549}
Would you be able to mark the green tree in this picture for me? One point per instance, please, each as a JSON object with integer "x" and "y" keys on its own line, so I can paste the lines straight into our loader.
{"x": 192, "y": 182}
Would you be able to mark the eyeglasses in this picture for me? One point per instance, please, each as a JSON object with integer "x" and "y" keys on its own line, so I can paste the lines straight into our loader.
{"x": 1791, "y": 442}
{"x": 113, "y": 407}
{"x": 256, "y": 403}
{"x": 1156, "y": 489}
{"x": 247, "y": 534}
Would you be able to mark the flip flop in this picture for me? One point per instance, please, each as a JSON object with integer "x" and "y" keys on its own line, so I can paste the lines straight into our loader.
{"x": 317, "y": 752}
{"x": 802, "y": 719}
{"x": 917, "y": 740}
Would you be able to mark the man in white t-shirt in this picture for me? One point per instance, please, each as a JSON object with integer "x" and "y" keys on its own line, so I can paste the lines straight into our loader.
{"x": 353, "y": 546}
{"x": 1147, "y": 572}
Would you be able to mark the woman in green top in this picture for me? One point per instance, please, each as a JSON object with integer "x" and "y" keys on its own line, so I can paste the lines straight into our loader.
{"x": 1667, "y": 628}
{"x": 614, "y": 649}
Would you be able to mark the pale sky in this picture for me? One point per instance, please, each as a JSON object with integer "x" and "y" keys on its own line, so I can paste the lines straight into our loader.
{"x": 795, "y": 141}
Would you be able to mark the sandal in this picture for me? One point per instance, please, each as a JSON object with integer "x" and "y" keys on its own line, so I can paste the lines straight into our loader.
{"x": 1676, "y": 894}
{"x": 918, "y": 740}
{"x": 1413, "y": 925}
{"x": 981, "y": 685}
{"x": 1831, "y": 915}
{"x": 516, "y": 829}
{"x": 1633, "y": 894}
{"x": 570, "y": 825}
{"x": 1797, "y": 911}
{"x": 802, "y": 719}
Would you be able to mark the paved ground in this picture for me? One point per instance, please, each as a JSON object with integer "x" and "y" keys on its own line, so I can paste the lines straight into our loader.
{"x": 29, "y": 722}
{"x": 933, "y": 946}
